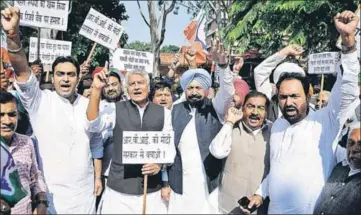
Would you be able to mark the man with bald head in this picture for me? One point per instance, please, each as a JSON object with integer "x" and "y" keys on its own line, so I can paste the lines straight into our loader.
{"x": 341, "y": 193}
{"x": 322, "y": 99}
{"x": 195, "y": 172}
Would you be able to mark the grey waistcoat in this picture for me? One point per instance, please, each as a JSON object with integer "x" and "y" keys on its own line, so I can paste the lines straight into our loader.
{"x": 126, "y": 178}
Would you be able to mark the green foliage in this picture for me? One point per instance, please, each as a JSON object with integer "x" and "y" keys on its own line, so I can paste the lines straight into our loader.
{"x": 81, "y": 46}
{"x": 147, "y": 47}
{"x": 139, "y": 46}
{"x": 169, "y": 49}
{"x": 260, "y": 24}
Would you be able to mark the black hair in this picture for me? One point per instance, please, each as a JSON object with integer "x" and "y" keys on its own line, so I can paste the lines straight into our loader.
{"x": 295, "y": 76}
{"x": 67, "y": 59}
{"x": 158, "y": 85}
{"x": 115, "y": 75}
{"x": 36, "y": 62}
{"x": 6, "y": 97}
{"x": 255, "y": 93}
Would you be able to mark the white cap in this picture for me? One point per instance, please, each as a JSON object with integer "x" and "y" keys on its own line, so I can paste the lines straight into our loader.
{"x": 287, "y": 68}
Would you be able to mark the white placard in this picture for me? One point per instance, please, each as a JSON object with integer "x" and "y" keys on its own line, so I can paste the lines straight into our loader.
{"x": 44, "y": 13}
{"x": 323, "y": 63}
{"x": 141, "y": 147}
{"x": 49, "y": 49}
{"x": 357, "y": 35}
{"x": 127, "y": 59}
{"x": 101, "y": 29}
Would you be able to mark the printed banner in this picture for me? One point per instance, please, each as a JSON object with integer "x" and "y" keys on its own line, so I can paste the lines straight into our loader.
{"x": 323, "y": 63}
{"x": 49, "y": 49}
{"x": 141, "y": 147}
{"x": 101, "y": 29}
{"x": 128, "y": 60}
{"x": 44, "y": 13}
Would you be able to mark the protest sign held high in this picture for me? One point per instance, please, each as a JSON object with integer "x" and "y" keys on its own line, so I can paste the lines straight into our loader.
{"x": 323, "y": 63}
{"x": 132, "y": 60}
{"x": 101, "y": 29}
{"x": 142, "y": 147}
{"x": 44, "y": 14}
{"x": 49, "y": 49}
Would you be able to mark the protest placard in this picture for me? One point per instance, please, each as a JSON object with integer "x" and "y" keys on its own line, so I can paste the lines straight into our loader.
{"x": 323, "y": 63}
{"x": 141, "y": 147}
{"x": 44, "y": 13}
{"x": 49, "y": 49}
{"x": 357, "y": 34}
{"x": 101, "y": 29}
{"x": 132, "y": 60}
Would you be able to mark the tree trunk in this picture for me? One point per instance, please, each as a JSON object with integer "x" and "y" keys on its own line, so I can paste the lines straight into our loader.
{"x": 154, "y": 37}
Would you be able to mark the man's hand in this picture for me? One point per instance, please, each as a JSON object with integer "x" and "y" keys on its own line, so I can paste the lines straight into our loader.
{"x": 254, "y": 200}
{"x": 100, "y": 79}
{"x": 191, "y": 58}
{"x": 346, "y": 24}
{"x": 175, "y": 62}
{"x": 10, "y": 21}
{"x": 238, "y": 64}
{"x": 218, "y": 54}
{"x": 98, "y": 186}
{"x": 292, "y": 50}
{"x": 84, "y": 68}
{"x": 4, "y": 81}
{"x": 150, "y": 169}
{"x": 41, "y": 209}
{"x": 166, "y": 193}
{"x": 234, "y": 115}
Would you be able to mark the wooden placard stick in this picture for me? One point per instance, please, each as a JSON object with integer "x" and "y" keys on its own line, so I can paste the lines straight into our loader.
{"x": 145, "y": 194}
{"x": 91, "y": 52}
{"x": 322, "y": 82}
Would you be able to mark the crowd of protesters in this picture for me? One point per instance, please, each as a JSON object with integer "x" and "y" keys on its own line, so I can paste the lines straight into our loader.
{"x": 275, "y": 149}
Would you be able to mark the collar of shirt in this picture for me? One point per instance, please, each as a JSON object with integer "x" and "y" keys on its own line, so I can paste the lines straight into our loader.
{"x": 352, "y": 171}
{"x": 15, "y": 142}
{"x": 143, "y": 108}
{"x": 254, "y": 132}
{"x": 65, "y": 100}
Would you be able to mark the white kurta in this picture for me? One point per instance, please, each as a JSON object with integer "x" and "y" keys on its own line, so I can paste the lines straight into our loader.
{"x": 194, "y": 199}
{"x": 63, "y": 141}
{"x": 114, "y": 202}
{"x": 302, "y": 155}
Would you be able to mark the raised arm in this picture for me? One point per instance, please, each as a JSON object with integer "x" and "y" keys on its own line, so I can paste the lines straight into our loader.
{"x": 10, "y": 24}
{"x": 345, "y": 90}
{"x": 98, "y": 122}
{"x": 25, "y": 81}
{"x": 263, "y": 71}
{"x": 224, "y": 96}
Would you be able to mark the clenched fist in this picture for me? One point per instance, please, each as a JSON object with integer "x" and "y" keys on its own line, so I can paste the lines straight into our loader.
{"x": 10, "y": 21}
{"x": 346, "y": 24}
{"x": 292, "y": 50}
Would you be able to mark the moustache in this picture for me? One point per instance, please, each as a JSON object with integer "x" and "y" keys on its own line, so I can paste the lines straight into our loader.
{"x": 195, "y": 96}
{"x": 254, "y": 117}
{"x": 10, "y": 126}
{"x": 290, "y": 108}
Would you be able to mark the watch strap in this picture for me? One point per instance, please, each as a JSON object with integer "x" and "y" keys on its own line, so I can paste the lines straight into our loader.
{"x": 348, "y": 49}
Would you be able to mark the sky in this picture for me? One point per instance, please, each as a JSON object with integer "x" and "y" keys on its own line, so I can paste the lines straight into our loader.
{"x": 136, "y": 28}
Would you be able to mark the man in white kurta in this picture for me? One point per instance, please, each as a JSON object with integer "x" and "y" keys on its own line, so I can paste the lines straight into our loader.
{"x": 302, "y": 155}
{"x": 196, "y": 197}
{"x": 60, "y": 126}
{"x": 61, "y": 130}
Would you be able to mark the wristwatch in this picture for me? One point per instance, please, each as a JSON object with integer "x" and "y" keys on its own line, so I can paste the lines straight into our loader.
{"x": 44, "y": 202}
{"x": 348, "y": 49}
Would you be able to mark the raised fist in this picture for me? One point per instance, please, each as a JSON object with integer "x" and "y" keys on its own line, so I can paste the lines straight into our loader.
{"x": 10, "y": 20}
{"x": 346, "y": 23}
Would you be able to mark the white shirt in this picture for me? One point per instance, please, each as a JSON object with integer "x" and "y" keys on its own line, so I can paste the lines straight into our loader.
{"x": 302, "y": 155}
{"x": 63, "y": 141}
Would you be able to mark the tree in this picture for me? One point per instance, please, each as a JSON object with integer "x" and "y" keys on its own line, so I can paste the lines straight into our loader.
{"x": 269, "y": 25}
{"x": 169, "y": 49}
{"x": 81, "y": 46}
{"x": 157, "y": 27}
{"x": 139, "y": 46}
